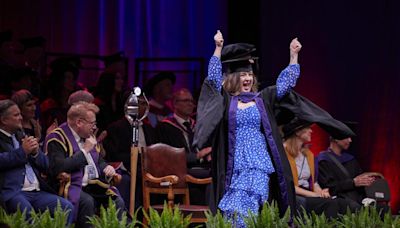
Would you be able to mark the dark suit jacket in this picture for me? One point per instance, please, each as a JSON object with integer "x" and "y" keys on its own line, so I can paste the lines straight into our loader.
{"x": 173, "y": 136}
{"x": 12, "y": 168}
{"x": 118, "y": 142}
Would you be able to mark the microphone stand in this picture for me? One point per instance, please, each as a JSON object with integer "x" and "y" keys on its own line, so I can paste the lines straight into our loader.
{"x": 132, "y": 115}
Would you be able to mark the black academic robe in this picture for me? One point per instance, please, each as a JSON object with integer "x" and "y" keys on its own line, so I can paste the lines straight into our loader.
{"x": 118, "y": 142}
{"x": 212, "y": 121}
{"x": 339, "y": 184}
{"x": 171, "y": 133}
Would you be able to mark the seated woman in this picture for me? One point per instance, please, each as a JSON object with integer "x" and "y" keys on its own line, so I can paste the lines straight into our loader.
{"x": 27, "y": 104}
{"x": 309, "y": 194}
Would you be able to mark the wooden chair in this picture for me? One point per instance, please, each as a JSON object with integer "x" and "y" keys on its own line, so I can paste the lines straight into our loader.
{"x": 164, "y": 171}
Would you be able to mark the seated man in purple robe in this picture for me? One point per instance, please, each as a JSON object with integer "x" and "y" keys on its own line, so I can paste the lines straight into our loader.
{"x": 72, "y": 148}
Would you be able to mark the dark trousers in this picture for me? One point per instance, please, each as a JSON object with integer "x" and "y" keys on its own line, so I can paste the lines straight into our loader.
{"x": 199, "y": 193}
{"x": 125, "y": 186}
{"x": 38, "y": 201}
{"x": 330, "y": 207}
{"x": 124, "y": 189}
{"x": 345, "y": 203}
{"x": 89, "y": 203}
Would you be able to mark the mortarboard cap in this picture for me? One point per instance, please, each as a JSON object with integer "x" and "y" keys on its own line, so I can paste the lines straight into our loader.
{"x": 148, "y": 88}
{"x": 63, "y": 64}
{"x": 37, "y": 41}
{"x": 238, "y": 58}
{"x": 350, "y": 124}
{"x": 117, "y": 57}
{"x": 294, "y": 125}
{"x": 24, "y": 72}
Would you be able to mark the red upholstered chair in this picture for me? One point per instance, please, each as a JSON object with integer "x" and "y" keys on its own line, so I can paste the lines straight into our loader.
{"x": 164, "y": 172}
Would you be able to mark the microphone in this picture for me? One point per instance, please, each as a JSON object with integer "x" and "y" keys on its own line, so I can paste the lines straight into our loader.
{"x": 132, "y": 113}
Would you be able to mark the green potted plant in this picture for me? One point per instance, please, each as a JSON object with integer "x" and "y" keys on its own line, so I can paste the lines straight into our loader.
{"x": 108, "y": 218}
{"x": 217, "y": 221}
{"x": 169, "y": 218}
{"x": 268, "y": 217}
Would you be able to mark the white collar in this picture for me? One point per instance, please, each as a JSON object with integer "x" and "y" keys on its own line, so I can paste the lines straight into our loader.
{"x": 180, "y": 120}
{"x": 76, "y": 136}
{"x": 5, "y": 132}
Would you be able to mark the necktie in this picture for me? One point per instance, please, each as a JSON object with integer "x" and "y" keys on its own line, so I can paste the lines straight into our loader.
{"x": 190, "y": 133}
{"x": 30, "y": 174}
{"x": 15, "y": 142}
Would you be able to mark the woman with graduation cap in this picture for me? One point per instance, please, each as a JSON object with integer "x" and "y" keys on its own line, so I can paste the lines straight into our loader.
{"x": 249, "y": 163}
{"x": 247, "y": 154}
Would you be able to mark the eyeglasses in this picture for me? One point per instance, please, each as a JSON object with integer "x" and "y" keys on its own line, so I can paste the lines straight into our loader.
{"x": 185, "y": 100}
{"x": 92, "y": 123}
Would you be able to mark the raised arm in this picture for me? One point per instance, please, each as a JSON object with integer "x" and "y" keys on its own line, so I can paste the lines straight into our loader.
{"x": 288, "y": 77}
{"x": 215, "y": 67}
{"x": 295, "y": 47}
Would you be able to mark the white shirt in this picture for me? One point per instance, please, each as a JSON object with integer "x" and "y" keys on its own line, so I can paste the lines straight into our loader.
{"x": 91, "y": 166}
{"x": 180, "y": 120}
{"x": 303, "y": 170}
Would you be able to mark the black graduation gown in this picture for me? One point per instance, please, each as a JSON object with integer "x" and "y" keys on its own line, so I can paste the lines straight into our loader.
{"x": 119, "y": 141}
{"x": 173, "y": 136}
{"x": 339, "y": 184}
{"x": 212, "y": 122}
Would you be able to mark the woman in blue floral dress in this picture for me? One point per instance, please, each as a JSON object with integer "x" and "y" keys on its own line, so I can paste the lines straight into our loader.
{"x": 252, "y": 155}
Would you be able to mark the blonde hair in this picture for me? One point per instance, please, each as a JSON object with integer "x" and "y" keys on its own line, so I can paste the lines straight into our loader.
{"x": 231, "y": 83}
{"x": 80, "y": 110}
{"x": 290, "y": 146}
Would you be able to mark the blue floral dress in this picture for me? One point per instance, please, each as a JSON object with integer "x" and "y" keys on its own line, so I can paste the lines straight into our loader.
{"x": 252, "y": 165}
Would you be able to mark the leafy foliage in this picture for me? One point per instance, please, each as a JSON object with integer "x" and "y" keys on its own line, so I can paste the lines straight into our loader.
{"x": 169, "y": 218}
{"x": 16, "y": 220}
{"x": 313, "y": 221}
{"x": 173, "y": 218}
{"x": 45, "y": 220}
{"x": 37, "y": 220}
{"x": 108, "y": 218}
{"x": 217, "y": 221}
{"x": 367, "y": 217}
{"x": 268, "y": 217}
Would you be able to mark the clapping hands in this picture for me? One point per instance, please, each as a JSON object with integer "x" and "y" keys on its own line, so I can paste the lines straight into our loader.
{"x": 30, "y": 145}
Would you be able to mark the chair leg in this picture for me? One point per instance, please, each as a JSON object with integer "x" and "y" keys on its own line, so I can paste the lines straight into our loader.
{"x": 170, "y": 197}
{"x": 186, "y": 197}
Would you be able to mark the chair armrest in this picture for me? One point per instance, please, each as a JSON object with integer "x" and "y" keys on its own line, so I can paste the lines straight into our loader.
{"x": 63, "y": 179}
{"x": 116, "y": 180}
{"x": 172, "y": 179}
{"x": 194, "y": 180}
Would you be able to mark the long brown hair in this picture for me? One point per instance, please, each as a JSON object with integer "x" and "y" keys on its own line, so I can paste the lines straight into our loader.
{"x": 231, "y": 83}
